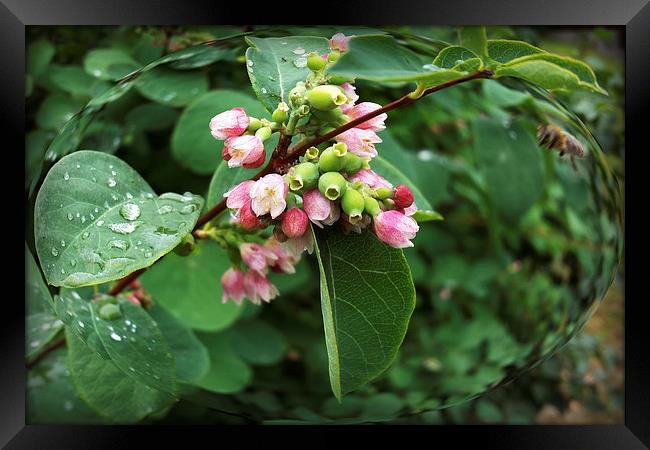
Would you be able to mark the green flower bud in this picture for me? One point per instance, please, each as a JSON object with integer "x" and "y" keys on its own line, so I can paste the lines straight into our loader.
{"x": 253, "y": 124}
{"x": 297, "y": 94}
{"x": 303, "y": 110}
{"x": 383, "y": 193}
{"x": 334, "y": 116}
{"x": 312, "y": 153}
{"x": 333, "y": 55}
{"x": 264, "y": 133}
{"x": 331, "y": 160}
{"x": 315, "y": 62}
{"x": 186, "y": 246}
{"x": 326, "y": 97}
{"x": 110, "y": 311}
{"x": 353, "y": 204}
{"x": 353, "y": 163}
{"x": 371, "y": 206}
{"x": 281, "y": 113}
{"x": 338, "y": 79}
{"x": 332, "y": 185}
{"x": 303, "y": 176}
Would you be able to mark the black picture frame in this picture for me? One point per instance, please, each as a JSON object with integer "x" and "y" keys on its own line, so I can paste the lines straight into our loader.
{"x": 633, "y": 15}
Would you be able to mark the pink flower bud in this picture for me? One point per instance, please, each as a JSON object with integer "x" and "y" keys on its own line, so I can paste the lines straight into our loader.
{"x": 372, "y": 179}
{"x": 320, "y": 210}
{"x": 403, "y": 197}
{"x": 395, "y": 228}
{"x": 285, "y": 261}
{"x": 237, "y": 196}
{"x": 360, "y": 142}
{"x": 410, "y": 210}
{"x": 295, "y": 246}
{"x": 374, "y": 124}
{"x": 269, "y": 195}
{"x": 232, "y": 285}
{"x": 244, "y": 150}
{"x": 294, "y": 222}
{"x": 229, "y": 123}
{"x": 258, "y": 287}
{"x": 257, "y": 257}
{"x": 247, "y": 218}
{"x": 339, "y": 42}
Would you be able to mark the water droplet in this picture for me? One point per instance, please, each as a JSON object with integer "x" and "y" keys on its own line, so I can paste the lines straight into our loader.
{"x": 165, "y": 209}
{"x": 78, "y": 166}
{"x": 114, "y": 197}
{"x": 188, "y": 209}
{"x": 250, "y": 63}
{"x": 123, "y": 228}
{"x": 117, "y": 243}
{"x": 111, "y": 182}
{"x": 298, "y": 51}
{"x": 129, "y": 196}
{"x": 83, "y": 219}
{"x": 96, "y": 210}
{"x": 300, "y": 62}
{"x": 100, "y": 223}
{"x": 115, "y": 336}
{"x": 264, "y": 91}
{"x": 66, "y": 176}
{"x": 62, "y": 243}
{"x": 70, "y": 216}
{"x": 35, "y": 344}
{"x": 77, "y": 215}
{"x": 73, "y": 262}
{"x": 148, "y": 255}
{"x": 130, "y": 211}
{"x": 430, "y": 67}
{"x": 283, "y": 43}
{"x": 85, "y": 235}
{"x": 81, "y": 324}
{"x": 55, "y": 252}
{"x": 113, "y": 173}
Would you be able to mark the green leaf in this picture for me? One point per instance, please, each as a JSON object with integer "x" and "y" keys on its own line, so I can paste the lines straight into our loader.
{"x": 208, "y": 56}
{"x": 510, "y": 161}
{"x": 97, "y": 220}
{"x": 191, "y": 357}
{"x": 552, "y": 72}
{"x": 382, "y": 59}
{"x": 474, "y": 39}
{"x": 192, "y": 144}
{"x": 151, "y": 117}
{"x": 109, "y": 63}
{"x": 190, "y": 288}
{"x": 275, "y": 65}
{"x": 104, "y": 137}
{"x": 39, "y": 55}
{"x": 172, "y": 87}
{"x": 427, "y": 216}
{"x": 452, "y": 56}
{"x": 36, "y": 142}
{"x": 367, "y": 297}
{"x": 56, "y": 110}
{"x": 228, "y": 372}
{"x": 257, "y": 342}
{"x": 72, "y": 79}
{"x": 502, "y": 50}
{"x": 107, "y": 389}
{"x": 51, "y": 397}
{"x": 132, "y": 342}
{"x": 499, "y": 95}
{"x": 395, "y": 177}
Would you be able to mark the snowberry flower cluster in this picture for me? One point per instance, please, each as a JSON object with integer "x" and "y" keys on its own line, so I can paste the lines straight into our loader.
{"x": 331, "y": 183}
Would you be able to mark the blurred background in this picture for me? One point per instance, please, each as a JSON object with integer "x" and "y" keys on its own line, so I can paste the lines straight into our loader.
{"x": 492, "y": 279}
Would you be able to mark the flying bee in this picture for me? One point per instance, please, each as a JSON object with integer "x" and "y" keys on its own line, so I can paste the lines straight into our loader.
{"x": 555, "y": 138}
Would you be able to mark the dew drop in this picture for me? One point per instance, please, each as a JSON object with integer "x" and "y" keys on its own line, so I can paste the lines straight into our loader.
{"x": 62, "y": 243}
{"x": 55, "y": 252}
{"x": 264, "y": 91}
{"x": 70, "y": 216}
{"x": 66, "y": 176}
{"x": 123, "y": 228}
{"x": 298, "y": 51}
{"x": 81, "y": 324}
{"x": 100, "y": 223}
{"x": 96, "y": 210}
{"x": 129, "y": 196}
{"x": 300, "y": 62}
{"x": 188, "y": 209}
{"x": 78, "y": 166}
{"x": 118, "y": 243}
{"x": 113, "y": 173}
{"x": 165, "y": 209}
{"x": 250, "y": 63}
{"x": 111, "y": 182}
{"x": 130, "y": 211}
{"x": 73, "y": 262}
{"x": 115, "y": 336}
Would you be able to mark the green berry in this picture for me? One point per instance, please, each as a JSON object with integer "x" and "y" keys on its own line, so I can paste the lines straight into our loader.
{"x": 264, "y": 133}
{"x": 383, "y": 193}
{"x": 352, "y": 203}
{"x": 312, "y": 153}
{"x": 281, "y": 113}
{"x": 331, "y": 160}
{"x": 371, "y": 206}
{"x": 303, "y": 176}
{"x": 110, "y": 311}
{"x": 326, "y": 97}
{"x": 332, "y": 185}
{"x": 353, "y": 163}
{"x": 253, "y": 124}
{"x": 315, "y": 62}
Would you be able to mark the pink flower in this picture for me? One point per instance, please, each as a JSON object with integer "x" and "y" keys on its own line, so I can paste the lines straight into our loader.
{"x": 373, "y": 180}
{"x": 360, "y": 142}
{"x": 229, "y": 123}
{"x": 257, "y": 257}
{"x": 294, "y": 222}
{"x": 409, "y": 211}
{"x": 339, "y": 42}
{"x": 247, "y": 218}
{"x": 374, "y": 124}
{"x": 395, "y": 228}
{"x": 403, "y": 197}
{"x": 295, "y": 246}
{"x": 237, "y": 196}
{"x": 232, "y": 284}
{"x": 269, "y": 195}
{"x": 352, "y": 96}
{"x": 247, "y": 151}
{"x": 284, "y": 262}
{"x": 320, "y": 209}
{"x": 258, "y": 287}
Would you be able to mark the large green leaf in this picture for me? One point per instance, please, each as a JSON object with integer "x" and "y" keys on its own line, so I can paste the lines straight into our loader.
{"x": 56, "y": 110}
{"x": 190, "y": 288}
{"x": 72, "y": 79}
{"x": 151, "y": 117}
{"x": 452, "y": 56}
{"x": 191, "y": 357}
{"x": 257, "y": 342}
{"x": 97, "y": 220}
{"x": 382, "y": 59}
{"x": 228, "y": 372}
{"x": 107, "y": 389}
{"x": 109, "y": 63}
{"x": 367, "y": 297}
{"x": 275, "y": 65}
{"x": 39, "y": 54}
{"x": 474, "y": 39}
{"x": 192, "y": 144}
{"x": 51, "y": 397}
{"x": 511, "y": 163}
{"x": 502, "y": 50}
{"x": 132, "y": 342}
{"x": 172, "y": 87}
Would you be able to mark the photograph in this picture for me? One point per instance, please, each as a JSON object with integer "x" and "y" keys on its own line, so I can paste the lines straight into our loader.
{"x": 326, "y": 225}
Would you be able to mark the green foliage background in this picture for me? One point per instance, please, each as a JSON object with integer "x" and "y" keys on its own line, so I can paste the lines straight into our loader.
{"x": 256, "y": 353}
